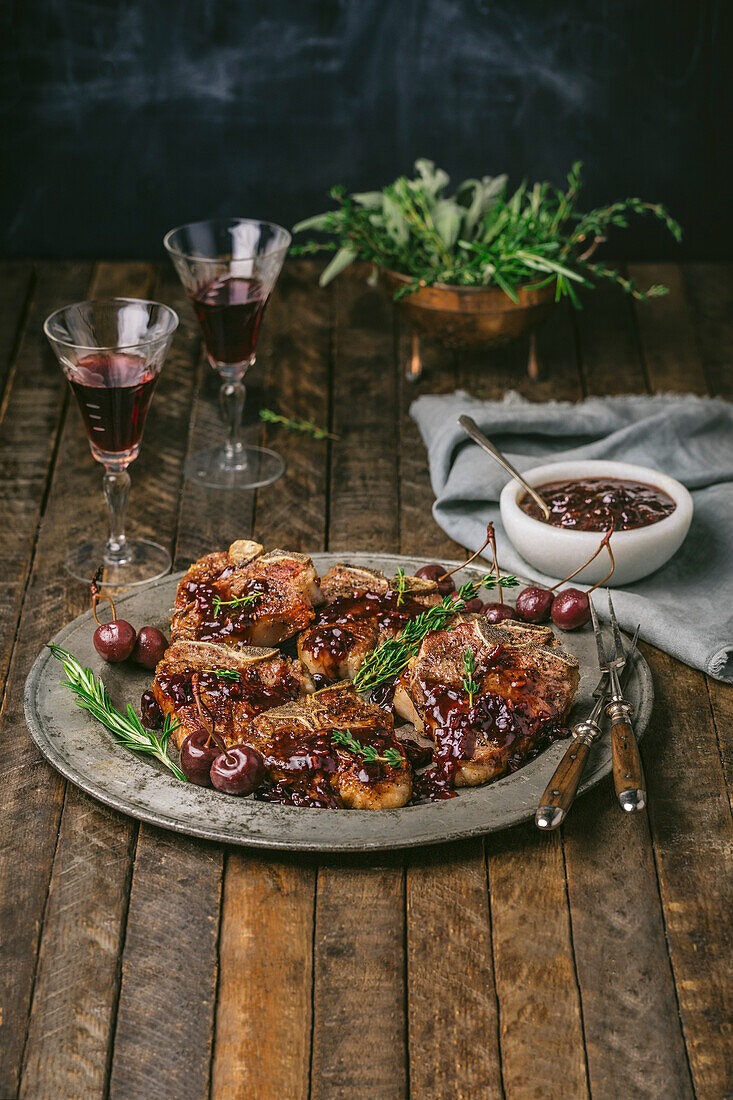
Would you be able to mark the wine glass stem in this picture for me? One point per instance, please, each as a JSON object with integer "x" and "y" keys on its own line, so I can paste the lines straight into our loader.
{"x": 116, "y": 491}
{"x": 232, "y": 396}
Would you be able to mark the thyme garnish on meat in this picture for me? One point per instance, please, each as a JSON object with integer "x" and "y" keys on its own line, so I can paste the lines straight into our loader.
{"x": 237, "y": 602}
{"x": 399, "y": 585}
{"x": 367, "y": 753}
{"x": 92, "y": 696}
{"x": 223, "y": 673}
{"x": 307, "y": 427}
{"x": 470, "y": 686}
{"x": 388, "y": 660}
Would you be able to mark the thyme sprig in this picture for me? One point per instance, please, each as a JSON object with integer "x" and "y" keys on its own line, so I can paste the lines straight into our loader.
{"x": 484, "y": 234}
{"x": 368, "y": 753}
{"x": 470, "y": 686}
{"x": 399, "y": 585}
{"x": 223, "y": 673}
{"x": 307, "y": 427}
{"x": 391, "y": 657}
{"x": 237, "y": 602}
{"x": 92, "y": 696}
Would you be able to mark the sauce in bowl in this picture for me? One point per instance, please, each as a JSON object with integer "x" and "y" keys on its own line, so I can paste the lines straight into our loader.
{"x": 594, "y": 503}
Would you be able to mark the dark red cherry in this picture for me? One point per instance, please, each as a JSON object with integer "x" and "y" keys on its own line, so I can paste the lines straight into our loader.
{"x": 495, "y": 612}
{"x": 474, "y": 606}
{"x": 151, "y": 715}
{"x": 238, "y": 770}
{"x": 570, "y": 609}
{"x": 434, "y": 573}
{"x": 197, "y": 756}
{"x": 115, "y": 640}
{"x": 150, "y": 646}
{"x": 534, "y": 604}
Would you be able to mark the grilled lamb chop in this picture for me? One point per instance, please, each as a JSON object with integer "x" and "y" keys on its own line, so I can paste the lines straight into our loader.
{"x": 188, "y": 685}
{"x": 308, "y": 769}
{"x": 362, "y": 610}
{"x": 244, "y": 597}
{"x": 525, "y": 686}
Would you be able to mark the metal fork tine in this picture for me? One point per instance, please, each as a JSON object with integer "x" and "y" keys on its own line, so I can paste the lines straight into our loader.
{"x": 616, "y": 632}
{"x": 602, "y": 658}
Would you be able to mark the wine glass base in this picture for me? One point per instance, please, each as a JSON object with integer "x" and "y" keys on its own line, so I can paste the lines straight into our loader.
{"x": 252, "y": 468}
{"x": 145, "y": 561}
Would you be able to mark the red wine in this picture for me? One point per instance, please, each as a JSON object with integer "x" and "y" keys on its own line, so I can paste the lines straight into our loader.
{"x": 230, "y": 314}
{"x": 114, "y": 391}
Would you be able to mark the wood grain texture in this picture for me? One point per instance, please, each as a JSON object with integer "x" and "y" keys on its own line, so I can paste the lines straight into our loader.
{"x": 263, "y": 1023}
{"x": 608, "y": 344}
{"x": 17, "y": 278}
{"x": 359, "y": 956}
{"x": 540, "y": 1020}
{"x": 709, "y": 292}
{"x": 666, "y": 332}
{"x": 81, "y": 1017}
{"x": 453, "y": 1011}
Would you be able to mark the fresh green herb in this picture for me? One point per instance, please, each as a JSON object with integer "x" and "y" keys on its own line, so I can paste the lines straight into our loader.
{"x": 223, "y": 673}
{"x": 504, "y": 582}
{"x": 368, "y": 753}
{"x": 399, "y": 585}
{"x": 482, "y": 235}
{"x": 388, "y": 660}
{"x": 305, "y": 426}
{"x": 92, "y": 696}
{"x": 237, "y": 602}
{"x": 470, "y": 685}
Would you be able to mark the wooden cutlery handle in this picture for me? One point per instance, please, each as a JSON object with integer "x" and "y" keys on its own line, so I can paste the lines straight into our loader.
{"x": 560, "y": 792}
{"x": 628, "y": 774}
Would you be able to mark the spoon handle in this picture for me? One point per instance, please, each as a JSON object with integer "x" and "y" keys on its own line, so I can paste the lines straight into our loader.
{"x": 472, "y": 429}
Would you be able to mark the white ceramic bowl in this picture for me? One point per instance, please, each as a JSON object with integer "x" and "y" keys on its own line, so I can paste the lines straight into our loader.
{"x": 557, "y": 551}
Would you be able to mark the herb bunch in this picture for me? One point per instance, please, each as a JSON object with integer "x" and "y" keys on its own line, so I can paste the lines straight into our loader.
{"x": 92, "y": 696}
{"x": 391, "y": 657}
{"x": 482, "y": 235}
{"x": 367, "y": 753}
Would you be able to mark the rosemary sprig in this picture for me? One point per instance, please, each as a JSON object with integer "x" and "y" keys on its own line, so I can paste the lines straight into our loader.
{"x": 368, "y": 753}
{"x": 92, "y": 696}
{"x": 223, "y": 673}
{"x": 388, "y": 660}
{"x": 470, "y": 686}
{"x": 504, "y": 582}
{"x": 399, "y": 585}
{"x": 305, "y": 426}
{"x": 237, "y": 602}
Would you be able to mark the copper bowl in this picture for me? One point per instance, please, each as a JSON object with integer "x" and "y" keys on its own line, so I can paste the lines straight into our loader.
{"x": 470, "y": 316}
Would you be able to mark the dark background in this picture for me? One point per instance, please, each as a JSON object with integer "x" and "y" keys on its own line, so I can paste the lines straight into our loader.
{"x": 124, "y": 118}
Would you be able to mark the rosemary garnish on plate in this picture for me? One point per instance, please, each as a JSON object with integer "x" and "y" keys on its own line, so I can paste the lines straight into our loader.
{"x": 92, "y": 696}
{"x": 237, "y": 602}
{"x": 307, "y": 427}
{"x": 470, "y": 686}
{"x": 367, "y": 753}
{"x": 388, "y": 660}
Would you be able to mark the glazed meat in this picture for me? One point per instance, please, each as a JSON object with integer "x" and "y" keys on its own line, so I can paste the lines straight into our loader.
{"x": 308, "y": 768}
{"x": 203, "y": 683}
{"x": 362, "y": 609}
{"x": 245, "y": 597}
{"x": 523, "y": 689}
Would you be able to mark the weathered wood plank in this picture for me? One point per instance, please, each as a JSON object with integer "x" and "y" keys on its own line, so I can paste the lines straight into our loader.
{"x": 709, "y": 291}
{"x": 667, "y": 334}
{"x": 263, "y": 1021}
{"x": 32, "y": 800}
{"x": 17, "y": 278}
{"x": 75, "y": 994}
{"x": 359, "y": 957}
{"x": 609, "y": 345}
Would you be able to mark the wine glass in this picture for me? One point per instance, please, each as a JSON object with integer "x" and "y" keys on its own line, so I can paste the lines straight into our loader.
{"x": 228, "y": 267}
{"x": 112, "y": 351}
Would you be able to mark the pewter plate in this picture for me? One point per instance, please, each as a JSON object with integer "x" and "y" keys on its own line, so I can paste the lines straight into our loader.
{"x": 86, "y": 754}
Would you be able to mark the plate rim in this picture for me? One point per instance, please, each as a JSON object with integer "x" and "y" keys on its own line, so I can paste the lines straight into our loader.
{"x": 288, "y": 842}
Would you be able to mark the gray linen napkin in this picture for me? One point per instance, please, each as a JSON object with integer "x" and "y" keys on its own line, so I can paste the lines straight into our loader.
{"x": 685, "y": 608}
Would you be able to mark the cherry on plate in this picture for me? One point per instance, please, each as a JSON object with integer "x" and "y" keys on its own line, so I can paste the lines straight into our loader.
{"x": 434, "y": 573}
{"x": 115, "y": 640}
{"x": 197, "y": 756}
{"x": 150, "y": 646}
{"x": 473, "y": 607}
{"x": 534, "y": 604}
{"x": 570, "y": 609}
{"x": 496, "y": 612}
{"x": 238, "y": 770}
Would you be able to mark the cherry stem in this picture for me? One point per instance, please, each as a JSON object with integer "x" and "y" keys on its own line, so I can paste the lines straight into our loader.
{"x": 609, "y": 574}
{"x": 605, "y": 542}
{"x": 489, "y": 532}
{"x": 201, "y": 707}
{"x": 495, "y": 563}
{"x": 97, "y": 595}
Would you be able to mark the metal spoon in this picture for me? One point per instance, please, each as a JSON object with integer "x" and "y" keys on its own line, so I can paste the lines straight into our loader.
{"x": 472, "y": 429}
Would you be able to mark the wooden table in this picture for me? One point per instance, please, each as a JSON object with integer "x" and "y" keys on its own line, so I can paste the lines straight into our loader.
{"x": 136, "y": 963}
